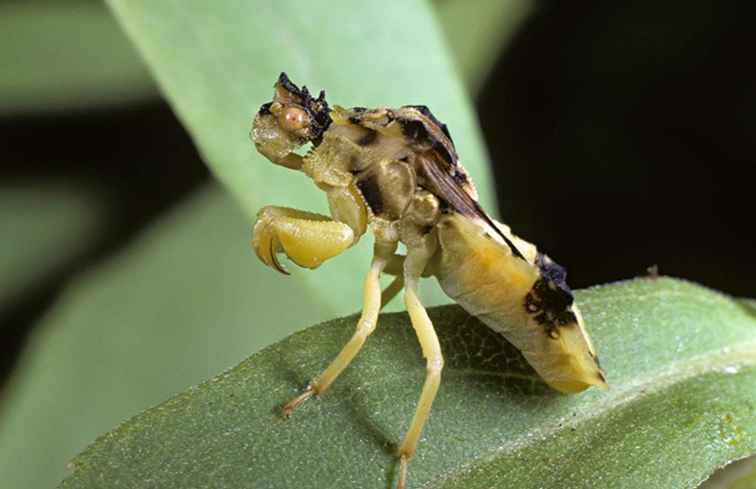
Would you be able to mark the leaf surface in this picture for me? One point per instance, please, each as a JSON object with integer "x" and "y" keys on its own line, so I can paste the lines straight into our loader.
{"x": 680, "y": 359}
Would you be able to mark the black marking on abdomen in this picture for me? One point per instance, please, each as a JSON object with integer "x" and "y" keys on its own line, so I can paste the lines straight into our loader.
{"x": 372, "y": 192}
{"x": 550, "y": 300}
{"x": 554, "y": 272}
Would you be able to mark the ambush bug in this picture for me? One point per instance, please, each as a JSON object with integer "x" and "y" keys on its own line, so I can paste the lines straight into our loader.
{"x": 396, "y": 171}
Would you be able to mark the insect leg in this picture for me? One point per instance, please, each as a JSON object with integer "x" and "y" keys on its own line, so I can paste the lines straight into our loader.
{"x": 392, "y": 290}
{"x": 395, "y": 266}
{"x": 414, "y": 265}
{"x": 371, "y": 305}
{"x": 308, "y": 239}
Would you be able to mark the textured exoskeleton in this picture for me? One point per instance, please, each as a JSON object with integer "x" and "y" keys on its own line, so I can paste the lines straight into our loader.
{"x": 396, "y": 171}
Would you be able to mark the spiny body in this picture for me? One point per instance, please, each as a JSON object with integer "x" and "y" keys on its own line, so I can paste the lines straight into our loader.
{"x": 396, "y": 171}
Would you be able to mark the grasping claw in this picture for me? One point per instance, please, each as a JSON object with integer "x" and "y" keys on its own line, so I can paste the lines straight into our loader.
{"x": 293, "y": 403}
{"x": 308, "y": 239}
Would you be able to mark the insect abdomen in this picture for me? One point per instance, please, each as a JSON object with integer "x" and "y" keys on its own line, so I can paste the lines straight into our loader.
{"x": 515, "y": 298}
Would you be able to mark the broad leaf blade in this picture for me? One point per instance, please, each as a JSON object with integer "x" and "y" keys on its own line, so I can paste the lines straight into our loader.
{"x": 680, "y": 360}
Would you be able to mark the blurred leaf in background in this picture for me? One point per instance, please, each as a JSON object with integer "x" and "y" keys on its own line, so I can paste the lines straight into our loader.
{"x": 45, "y": 225}
{"x": 477, "y": 32}
{"x": 69, "y": 87}
{"x": 181, "y": 303}
{"x": 56, "y": 55}
{"x": 188, "y": 298}
{"x": 66, "y": 54}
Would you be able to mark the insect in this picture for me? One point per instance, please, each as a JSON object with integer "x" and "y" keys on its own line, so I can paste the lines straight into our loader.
{"x": 396, "y": 172}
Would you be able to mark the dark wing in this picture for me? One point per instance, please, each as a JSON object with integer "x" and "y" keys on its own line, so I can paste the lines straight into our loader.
{"x": 441, "y": 168}
{"x": 419, "y": 123}
{"x": 448, "y": 187}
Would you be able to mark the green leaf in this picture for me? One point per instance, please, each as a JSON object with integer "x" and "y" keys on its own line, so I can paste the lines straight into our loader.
{"x": 184, "y": 301}
{"x": 477, "y": 34}
{"x": 64, "y": 55}
{"x": 680, "y": 359}
{"x": 48, "y": 224}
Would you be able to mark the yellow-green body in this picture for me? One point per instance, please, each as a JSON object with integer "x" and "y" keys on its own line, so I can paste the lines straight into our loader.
{"x": 482, "y": 275}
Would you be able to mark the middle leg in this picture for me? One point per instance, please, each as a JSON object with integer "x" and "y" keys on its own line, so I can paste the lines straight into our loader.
{"x": 365, "y": 326}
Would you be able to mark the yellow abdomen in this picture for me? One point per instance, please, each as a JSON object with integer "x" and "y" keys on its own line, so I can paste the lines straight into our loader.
{"x": 514, "y": 297}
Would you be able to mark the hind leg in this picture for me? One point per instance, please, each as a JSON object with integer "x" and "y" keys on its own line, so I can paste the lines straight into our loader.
{"x": 415, "y": 263}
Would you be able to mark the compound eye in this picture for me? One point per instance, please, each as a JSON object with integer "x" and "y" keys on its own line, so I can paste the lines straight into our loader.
{"x": 293, "y": 119}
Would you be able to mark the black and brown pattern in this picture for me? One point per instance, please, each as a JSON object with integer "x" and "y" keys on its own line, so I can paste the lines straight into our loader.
{"x": 550, "y": 300}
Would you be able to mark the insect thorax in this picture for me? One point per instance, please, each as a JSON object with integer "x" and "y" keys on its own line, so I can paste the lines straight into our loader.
{"x": 372, "y": 157}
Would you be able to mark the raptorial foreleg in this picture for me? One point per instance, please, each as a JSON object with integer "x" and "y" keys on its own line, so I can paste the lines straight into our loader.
{"x": 308, "y": 239}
